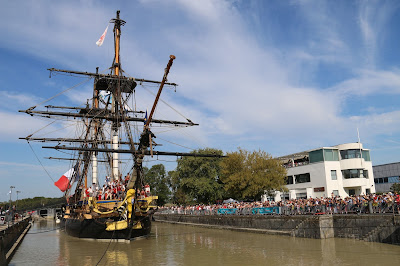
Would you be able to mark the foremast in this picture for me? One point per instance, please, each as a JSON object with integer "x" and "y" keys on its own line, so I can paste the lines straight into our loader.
{"x": 146, "y": 136}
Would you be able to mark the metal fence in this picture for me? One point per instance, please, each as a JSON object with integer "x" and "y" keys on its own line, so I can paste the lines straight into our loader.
{"x": 358, "y": 208}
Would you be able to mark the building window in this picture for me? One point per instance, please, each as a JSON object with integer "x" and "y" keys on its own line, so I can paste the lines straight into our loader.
{"x": 350, "y": 154}
{"x": 391, "y": 179}
{"x": 335, "y": 192}
{"x": 366, "y": 156}
{"x": 364, "y": 173}
{"x": 333, "y": 175}
{"x": 316, "y": 156}
{"x": 331, "y": 155}
{"x": 289, "y": 180}
{"x": 354, "y": 173}
{"x": 301, "y": 195}
{"x": 303, "y": 178}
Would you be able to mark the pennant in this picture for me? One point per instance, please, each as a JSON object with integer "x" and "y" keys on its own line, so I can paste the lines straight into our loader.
{"x": 101, "y": 40}
{"x": 63, "y": 182}
{"x": 145, "y": 118}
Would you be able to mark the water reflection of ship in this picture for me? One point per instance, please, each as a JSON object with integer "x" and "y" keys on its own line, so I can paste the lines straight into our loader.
{"x": 105, "y": 124}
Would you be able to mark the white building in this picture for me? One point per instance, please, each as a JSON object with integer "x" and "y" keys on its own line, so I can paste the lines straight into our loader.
{"x": 342, "y": 170}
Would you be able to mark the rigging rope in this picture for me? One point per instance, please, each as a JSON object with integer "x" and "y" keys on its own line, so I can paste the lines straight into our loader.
{"x": 42, "y": 128}
{"x": 61, "y": 93}
{"x": 176, "y": 144}
{"x": 40, "y": 162}
{"x": 165, "y": 102}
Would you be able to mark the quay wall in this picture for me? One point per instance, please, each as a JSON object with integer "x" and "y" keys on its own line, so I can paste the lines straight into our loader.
{"x": 11, "y": 237}
{"x": 256, "y": 222}
{"x": 375, "y": 228}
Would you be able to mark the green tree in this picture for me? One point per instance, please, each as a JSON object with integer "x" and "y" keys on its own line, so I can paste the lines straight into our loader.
{"x": 159, "y": 182}
{"x": 249, "y": 174}
{"x": 395, "y": 188}
{"x": 196, "y": 179}
{"x": 35, "y": 203}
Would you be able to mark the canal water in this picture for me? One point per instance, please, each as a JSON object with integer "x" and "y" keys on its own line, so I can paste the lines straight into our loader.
{"x": 169, "y": 244}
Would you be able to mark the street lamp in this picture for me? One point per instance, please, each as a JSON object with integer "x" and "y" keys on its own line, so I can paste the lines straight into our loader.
{"x": 11, "y": 187}
{"x": 10, "y": 209}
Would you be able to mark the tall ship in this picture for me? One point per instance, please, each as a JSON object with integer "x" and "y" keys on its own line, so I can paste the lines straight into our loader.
{"x": 116, "y": 203}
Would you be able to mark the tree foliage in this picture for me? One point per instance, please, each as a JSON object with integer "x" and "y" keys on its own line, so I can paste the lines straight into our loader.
{"x": 249, "y": 174}
{"x": 159, "y": 182}
{"x": 34, "y": 203}
{"x": 196, "y": 179}
{"x": 395, "y": 188}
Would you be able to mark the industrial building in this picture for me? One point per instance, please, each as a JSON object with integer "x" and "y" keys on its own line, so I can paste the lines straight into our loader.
{"x": 385, "y": 175}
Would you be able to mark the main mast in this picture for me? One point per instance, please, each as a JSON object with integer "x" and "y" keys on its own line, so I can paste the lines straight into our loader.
{"x": 95, "y": 132}
{"x": 116, "y": 96}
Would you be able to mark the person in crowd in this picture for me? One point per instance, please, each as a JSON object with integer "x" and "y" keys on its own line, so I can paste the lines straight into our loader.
{"x": 147, "y": 190}
{"x": 360, "y": 204}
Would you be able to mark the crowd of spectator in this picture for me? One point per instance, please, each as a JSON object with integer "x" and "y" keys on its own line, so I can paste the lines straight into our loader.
{"x": 114, "y": 190}
{"x": 372, "y": 203}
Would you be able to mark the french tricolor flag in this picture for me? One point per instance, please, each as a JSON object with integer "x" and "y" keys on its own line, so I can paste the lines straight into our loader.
{"x": 63, "y": 182}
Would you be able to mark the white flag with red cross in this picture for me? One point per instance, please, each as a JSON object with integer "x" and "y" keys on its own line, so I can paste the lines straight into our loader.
{"x": 101, "y": 40}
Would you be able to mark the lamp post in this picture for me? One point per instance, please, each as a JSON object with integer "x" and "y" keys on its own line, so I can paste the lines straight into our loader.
{"x": 11, "y": 187}
{"x": 10, "y": 208}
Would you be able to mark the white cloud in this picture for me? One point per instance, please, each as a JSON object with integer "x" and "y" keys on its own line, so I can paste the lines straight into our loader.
{"x": 233, "y": 85}
{"x": 370, "y": 82}
{"x": 17, "y": 125}
{"x": 383, "y": 123}
{"x": 12, "y": 100}
{"x": 373, "y": 19}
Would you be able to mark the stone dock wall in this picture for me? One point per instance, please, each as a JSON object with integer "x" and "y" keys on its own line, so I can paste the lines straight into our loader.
{"x": 11, "y": 237}
{"x": 374, "y": 228}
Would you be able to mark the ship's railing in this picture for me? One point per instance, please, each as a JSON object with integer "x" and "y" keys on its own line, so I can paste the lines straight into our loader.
{"x": 357, "y": 208}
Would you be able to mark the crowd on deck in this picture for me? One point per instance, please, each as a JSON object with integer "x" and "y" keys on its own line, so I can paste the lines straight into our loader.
{"x": 114, "y": 190}
{"x": 372, "y": 203}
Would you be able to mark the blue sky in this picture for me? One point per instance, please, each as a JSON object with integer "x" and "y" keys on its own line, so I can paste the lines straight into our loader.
{"x": 280, "y": 76}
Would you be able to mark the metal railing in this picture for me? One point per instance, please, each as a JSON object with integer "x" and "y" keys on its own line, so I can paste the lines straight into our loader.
{"x": 357, "y": 208}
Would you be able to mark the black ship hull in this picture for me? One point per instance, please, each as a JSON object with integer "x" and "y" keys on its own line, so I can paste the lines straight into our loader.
{"x": 96, "y": 229}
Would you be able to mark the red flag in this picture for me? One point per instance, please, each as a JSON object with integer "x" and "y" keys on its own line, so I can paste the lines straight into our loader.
{"x": 101, "y": 40}
{"x": 63, "y": 182}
